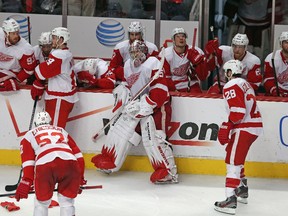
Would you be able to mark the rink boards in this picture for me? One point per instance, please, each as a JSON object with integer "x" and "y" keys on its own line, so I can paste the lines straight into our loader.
{"x": 193, "y": 132}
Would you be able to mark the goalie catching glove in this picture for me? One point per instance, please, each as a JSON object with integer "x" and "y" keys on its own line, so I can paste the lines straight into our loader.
{"x": 140, "y": 108}
{"x": 224, "y": 132}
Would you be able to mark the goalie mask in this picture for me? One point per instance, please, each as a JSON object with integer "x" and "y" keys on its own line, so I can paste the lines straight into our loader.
{"x": 138, "y": 52}
{"x": 42, "y": 118}
{"x": 233, "y": 68}
{"x": 90, "y": 65}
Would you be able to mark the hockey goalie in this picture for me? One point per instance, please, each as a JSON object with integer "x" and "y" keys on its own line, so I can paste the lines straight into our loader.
{"x": 147, "y": 115}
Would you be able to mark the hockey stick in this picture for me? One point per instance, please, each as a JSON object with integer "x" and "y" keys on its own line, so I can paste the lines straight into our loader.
{"x": 217, "y": 69}
{"x": 190, "y": 70}
{"x": 156, "y": 75}
{"x": 81, "y": 187}
{"x": 274, "y": 69}
{"x": 14, "y": 187}
{"x": 29, "y": 29}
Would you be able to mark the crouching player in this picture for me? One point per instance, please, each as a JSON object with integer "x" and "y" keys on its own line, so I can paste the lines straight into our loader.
{"x": 49, "y": 157}
{"x": 245, "y": 125}
{"x": 151, "y": 111}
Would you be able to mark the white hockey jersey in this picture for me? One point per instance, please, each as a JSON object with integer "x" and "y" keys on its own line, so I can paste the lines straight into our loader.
{"x": 61, "y": 77}
{"x": 241, "y": 105}
{"x": 16, "y": 57}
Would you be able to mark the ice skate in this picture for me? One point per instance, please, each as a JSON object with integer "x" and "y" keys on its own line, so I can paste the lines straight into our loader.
{"x": 227, "y": 206}
{"x": 169, "y": 179}
{"x": 242, "y": 192}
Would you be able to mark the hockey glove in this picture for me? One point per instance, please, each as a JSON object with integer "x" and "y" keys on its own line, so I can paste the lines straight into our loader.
{"x": 23, "y": 189}
{"x": 86, "y": 77}
{"x": 211, "y": 47}
{"x": 9, "y": 85}
{"x": 83, "y": 182}
{"x": 194, "y": 56}
{"x": 224, "y": 132}
{"x": 10, "y": 206}
{"x": 37, "y": 89}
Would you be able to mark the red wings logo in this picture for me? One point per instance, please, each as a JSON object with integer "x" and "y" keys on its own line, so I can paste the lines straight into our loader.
{"x": 283, "y": 77}
{"x": 132, "y": 79}
{"x": 5, "y": 58}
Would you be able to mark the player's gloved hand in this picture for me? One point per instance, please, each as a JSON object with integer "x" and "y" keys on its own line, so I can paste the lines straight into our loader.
{"x": 23, "y": 189}
{"x": 9, "y": 85}
{"x": 194, "y": 56}
{"x": 224, "y": 132}
{"x": 82, "y": 183}
{"x": 274, "y": 92}
{"x": 122, "y": 96}
{"x": 211, "y": 47}
{"x": 86, "y": 77}
{"x": 37, "y": 89}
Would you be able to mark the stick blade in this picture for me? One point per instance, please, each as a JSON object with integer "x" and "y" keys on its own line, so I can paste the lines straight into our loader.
{"x": 11, "y": 187}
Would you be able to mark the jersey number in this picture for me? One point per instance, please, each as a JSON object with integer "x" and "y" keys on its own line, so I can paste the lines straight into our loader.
{"x": 44, "y": 138}
{"x": 253, "y": 112}
{"x": 230, "y": 94}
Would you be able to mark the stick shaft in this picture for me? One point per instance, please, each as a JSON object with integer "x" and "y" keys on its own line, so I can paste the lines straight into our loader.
{"x": 88, "y": 187}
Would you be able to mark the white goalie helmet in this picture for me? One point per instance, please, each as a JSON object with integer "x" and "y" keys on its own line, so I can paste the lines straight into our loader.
{"x": 45, "y": 38}
{"x": 240, "y": 39}
{"x": 283, "y": 37}
{"x": 138, "y": 52}
{"x": 10, "y": 25}
{"x": 42, "y": 118}
{"x": 90, "y": 65}
{"x": 135, "y": 27}
{"x": 178, "y": 31}
{"x": 235, "y": 66}
{"x": 61, "y": 32}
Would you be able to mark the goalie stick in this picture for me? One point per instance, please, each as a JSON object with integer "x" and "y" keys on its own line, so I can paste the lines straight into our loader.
{"x": 88, "y": 187}
{"x": 14, "y": 187}
{"x": 115, "y": 117}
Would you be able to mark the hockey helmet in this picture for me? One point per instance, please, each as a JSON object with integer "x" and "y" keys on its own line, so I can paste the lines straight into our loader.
{"x": 240, "y": 39}
{"x": 61, "y": 32}
{"x": 283, "y": 37}
{"x": 42, "y": 118}
{"x": 135, "y": 27}
{"x": 138, "y": 52}
{"x": 90, "y": 65}
{"x": 178, "y": 31}
{"x": 234, "y": 67}
{"x": 45, "y": 38}
{"x": 10, "y": 25}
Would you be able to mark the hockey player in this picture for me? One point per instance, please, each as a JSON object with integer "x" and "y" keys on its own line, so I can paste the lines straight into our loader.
{"x": 121, "y": 50}
{"x": 44, "y": 47}
{"x": 281, "y": 69}
{"x": 184, "y": 65}
{"x": 149, "y": 109}
{"x": 93, "y": 73}
{"x": 50, "y": 156}
{"x": 242, "y": 128}
{"x": 60, "y": 94}
{"x": 17, "y": 57}
{"x": 217, "y": 56}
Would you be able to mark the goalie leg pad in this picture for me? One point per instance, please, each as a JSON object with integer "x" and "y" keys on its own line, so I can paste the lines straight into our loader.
{"x": 41, "y": 207}
{"x": 66, "y": 205}
{"x": 159, "y": 153}
{"x": 117, "y": 144}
